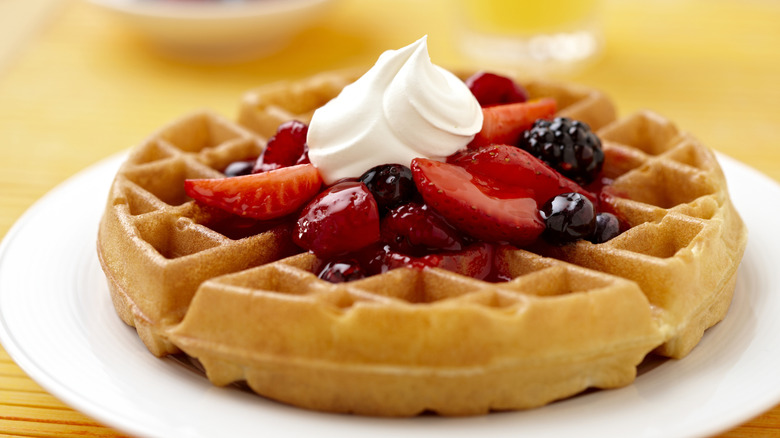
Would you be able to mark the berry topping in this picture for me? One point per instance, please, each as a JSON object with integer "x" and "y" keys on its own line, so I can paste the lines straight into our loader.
{"x": 391, "y": 185}
{"x": 475, "y": 260}
{"x": 466, "y": 202}
{"x": 493, "y": 89}
{"x": 504, "y": 124}
{"x": 607, "y": 228}
{"x": 238, "y": 168}
{"x": 342, "y": 271}
{"x": 264, "y": 196}
{"x": 286, "y": 148}
{"x": 515, "y": 167}
{"x": 342, "y": 219}
{"x": 237, "y": 227}
{"x": 567, "y": 218}
{"x": 414, "y": 228}
{"x": 566, "y": 145}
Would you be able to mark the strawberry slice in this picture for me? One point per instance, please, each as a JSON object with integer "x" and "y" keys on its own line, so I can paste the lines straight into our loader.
{"x": 457, "y": 195}
{"x": 263, "y": 196}
{"x": 504, "y": 124}
{"x": 342, "y": 219}
{"x": 514, "y": 167}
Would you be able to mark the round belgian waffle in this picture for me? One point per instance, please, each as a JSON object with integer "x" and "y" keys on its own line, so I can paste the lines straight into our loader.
{"x": 572, "y": 317}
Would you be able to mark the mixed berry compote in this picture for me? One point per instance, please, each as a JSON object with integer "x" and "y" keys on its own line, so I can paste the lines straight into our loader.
{"x": 525, "y": 177}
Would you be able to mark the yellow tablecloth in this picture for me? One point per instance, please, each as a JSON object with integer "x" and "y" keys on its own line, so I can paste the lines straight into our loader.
{"x": 76, "y": 87}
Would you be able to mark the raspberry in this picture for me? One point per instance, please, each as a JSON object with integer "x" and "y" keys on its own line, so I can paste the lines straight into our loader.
{"x": 493, "y": 89}
{"x": 567, "y": 146}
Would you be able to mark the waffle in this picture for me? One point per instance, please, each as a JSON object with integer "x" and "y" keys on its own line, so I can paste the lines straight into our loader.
{"x": 249, "y": 307}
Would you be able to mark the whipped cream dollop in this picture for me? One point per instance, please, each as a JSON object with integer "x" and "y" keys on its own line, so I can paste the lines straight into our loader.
{"x": 404, "y": 107}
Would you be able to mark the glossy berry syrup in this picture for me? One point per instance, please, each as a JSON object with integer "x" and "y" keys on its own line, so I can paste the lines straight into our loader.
{"x": 546, "y": 189}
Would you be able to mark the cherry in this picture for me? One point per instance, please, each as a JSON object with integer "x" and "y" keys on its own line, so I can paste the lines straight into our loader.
{"x": 342, "y": 219}
{"x": 414, "y": 228}
{"x": 492, "y": 89}
{"x": 568, "y": 217}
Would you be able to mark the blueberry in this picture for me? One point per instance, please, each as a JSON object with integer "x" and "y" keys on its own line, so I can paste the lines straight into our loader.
{"x": 341, "y": 271}
{"x": 238, "y": 168}
{"x": 391, "y": 185}
{"x": 607, "y": 228}
{"x": 568, "y": 217}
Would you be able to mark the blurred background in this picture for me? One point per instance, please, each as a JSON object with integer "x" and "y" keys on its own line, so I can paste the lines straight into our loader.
{"x": 80, "y": 81}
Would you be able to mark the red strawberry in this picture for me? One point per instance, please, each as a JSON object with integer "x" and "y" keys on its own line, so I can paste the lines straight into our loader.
{"x": 412, "y": 228}
{"x": 263, "y": 196}
{"x": 504, "y": 124}
{"x": 474, "y": 261}
{"x": 493, "y": 89}
{"x": 459, "y": 196}
{"x": 342, "y": 219}
{"x": 286, "y": 148}
{"x": 514, "y": 168}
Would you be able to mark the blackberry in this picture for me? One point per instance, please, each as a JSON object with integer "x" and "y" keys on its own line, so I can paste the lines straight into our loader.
{"x": 567, "y": 146}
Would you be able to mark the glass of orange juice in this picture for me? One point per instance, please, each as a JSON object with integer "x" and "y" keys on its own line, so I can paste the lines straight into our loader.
{"x": 544, "y": 36}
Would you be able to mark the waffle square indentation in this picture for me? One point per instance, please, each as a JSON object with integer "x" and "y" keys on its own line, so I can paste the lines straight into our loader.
{"x": 645, "y": 131}
{"x": 664, "y": 185}
{"x": 150, "y": 152}
{"x": 165, "y": 178}
{"x": 174, "y": 238}
{"x": 200, "y": 131}
{"x": 661, "y": 240}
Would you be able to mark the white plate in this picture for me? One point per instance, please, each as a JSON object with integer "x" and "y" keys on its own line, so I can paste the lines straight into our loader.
{"x": 57, "y": 323}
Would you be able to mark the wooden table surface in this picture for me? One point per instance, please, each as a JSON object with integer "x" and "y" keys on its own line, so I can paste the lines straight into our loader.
{"x": 76, "y": 87}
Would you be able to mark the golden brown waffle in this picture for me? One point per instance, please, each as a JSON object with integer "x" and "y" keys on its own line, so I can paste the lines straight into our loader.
{"x": 155, "y": 244}
{"x": 410, "y": 340}
{"x": 413, "y": 340}
{"x": 686, "y": 239}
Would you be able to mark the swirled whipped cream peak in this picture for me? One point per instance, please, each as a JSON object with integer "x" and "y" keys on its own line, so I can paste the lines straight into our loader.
{"x": 402, "y": 108}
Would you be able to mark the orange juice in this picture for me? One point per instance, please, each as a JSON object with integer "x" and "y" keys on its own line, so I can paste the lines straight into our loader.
{"x": 524, "y": 17}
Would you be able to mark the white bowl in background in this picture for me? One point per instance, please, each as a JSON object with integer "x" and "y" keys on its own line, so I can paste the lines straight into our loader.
{"x": 217, "y": 29}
